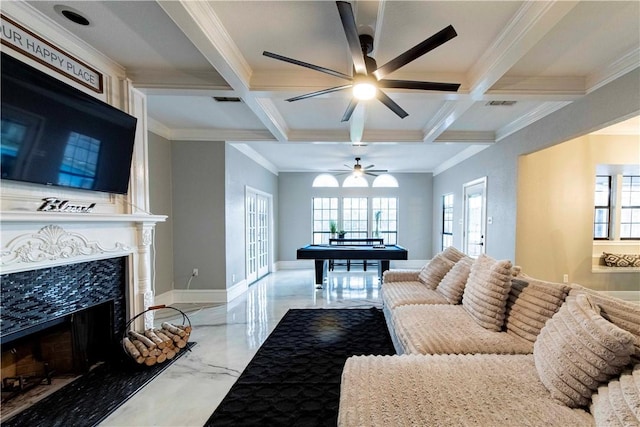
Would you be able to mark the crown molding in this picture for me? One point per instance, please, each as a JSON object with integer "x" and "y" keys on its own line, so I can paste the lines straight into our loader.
{"x": 469, "y": 137}
{"x": 158, "y": 128}
{"x": 256, "y": 157}
{"x": 459, "y": 158}
{"x": 532, "y": 116}
{"x": 626, "y": 63}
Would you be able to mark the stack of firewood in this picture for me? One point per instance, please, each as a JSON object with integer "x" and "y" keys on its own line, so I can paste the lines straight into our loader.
{"x": 156, "y": 345}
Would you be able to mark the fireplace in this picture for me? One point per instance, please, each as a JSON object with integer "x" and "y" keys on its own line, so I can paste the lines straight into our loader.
{"x": 60, "y": 321}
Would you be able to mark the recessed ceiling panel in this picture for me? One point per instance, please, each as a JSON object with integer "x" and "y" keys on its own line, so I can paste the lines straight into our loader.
{"x": 309, "y": 31}
{"x": 416, "y": 157}
{"x": 592, "y": 36}
{"x": 407, "y": 23}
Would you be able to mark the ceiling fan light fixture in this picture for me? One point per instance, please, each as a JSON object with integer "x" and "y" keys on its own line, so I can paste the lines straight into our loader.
{"x": 364, "y": 88}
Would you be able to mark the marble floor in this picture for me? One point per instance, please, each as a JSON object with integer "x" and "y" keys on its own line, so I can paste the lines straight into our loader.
{"x": 228, "y": 337}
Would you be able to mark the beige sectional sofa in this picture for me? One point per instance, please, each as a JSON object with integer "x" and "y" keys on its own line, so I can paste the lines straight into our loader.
{"x": 509, "y": 350}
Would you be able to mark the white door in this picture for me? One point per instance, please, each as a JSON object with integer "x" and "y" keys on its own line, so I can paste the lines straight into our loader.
{"x": 474, "y": 217}
{"x": 258, "y": 230}
{"x": 251, "y": 238}
{"x": 262, "y": 213}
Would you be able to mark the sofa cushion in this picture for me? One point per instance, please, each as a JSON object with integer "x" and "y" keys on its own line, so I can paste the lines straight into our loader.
{"x": 577, "y": 349}
{"x": 530, "y": 304}
{"x": 449, "y": 329}
{"x": 485, "y": 295}
{"x": 432, "y": 273}
{"x": 452, "y": 284}
{"x": 624, "y": 314}
{"x": 617, "y": 403}
{"x": 449, "y": 390}
{"x": 395, "y": 294}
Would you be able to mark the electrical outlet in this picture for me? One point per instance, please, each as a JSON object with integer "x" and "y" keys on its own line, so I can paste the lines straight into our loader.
{"x": 565, "y": 278}
{"x": 233, "y": 278}
{"x": 195, "y": 272}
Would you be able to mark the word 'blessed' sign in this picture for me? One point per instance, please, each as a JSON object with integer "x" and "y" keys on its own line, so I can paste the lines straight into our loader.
{"x": 52, "y": 204}
{"x": 28, "y": 43}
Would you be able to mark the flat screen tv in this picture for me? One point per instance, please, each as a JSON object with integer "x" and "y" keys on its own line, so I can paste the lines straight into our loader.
{"x": 55, "y": 134}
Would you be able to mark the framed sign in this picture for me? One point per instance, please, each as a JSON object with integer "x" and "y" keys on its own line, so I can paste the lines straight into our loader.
{"x": 35, "y": 47}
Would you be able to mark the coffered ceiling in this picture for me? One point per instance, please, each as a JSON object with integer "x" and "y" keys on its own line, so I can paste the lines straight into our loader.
{"x": 540, "y": 54}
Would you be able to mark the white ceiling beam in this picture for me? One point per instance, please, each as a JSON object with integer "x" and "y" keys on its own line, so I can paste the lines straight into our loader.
{"x": 528, "y": 26}
{"x": 356, "y": 124}
{"x": 201, "y": 25}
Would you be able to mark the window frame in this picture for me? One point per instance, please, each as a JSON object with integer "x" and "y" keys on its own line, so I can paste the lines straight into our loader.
{"x": 446, "y": 237}
{"x": 630, "y": 206}
{"x": 606, "y": 208}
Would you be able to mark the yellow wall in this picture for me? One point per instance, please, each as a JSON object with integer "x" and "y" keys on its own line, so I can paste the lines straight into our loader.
{"x": 555, "y": 210}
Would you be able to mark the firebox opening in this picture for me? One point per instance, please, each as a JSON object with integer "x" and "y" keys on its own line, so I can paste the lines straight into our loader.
{"x": 68, "y": 347}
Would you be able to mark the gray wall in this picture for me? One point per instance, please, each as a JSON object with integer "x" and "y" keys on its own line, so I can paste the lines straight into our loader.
{"x": 617, "y": 100}
{"x": 199, "y": 213}
{"x": 241, "y": 172}
{"x": 415, "y": 210}
{"x": 160, "y": 203}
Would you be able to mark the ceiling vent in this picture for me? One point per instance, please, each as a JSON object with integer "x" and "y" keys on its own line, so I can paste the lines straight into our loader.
{"x": 227, "y": 99}
{"x": 503, "y": 103}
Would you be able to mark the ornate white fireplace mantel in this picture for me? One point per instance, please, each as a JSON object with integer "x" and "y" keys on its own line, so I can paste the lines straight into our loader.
{"x": 33, "y": 240}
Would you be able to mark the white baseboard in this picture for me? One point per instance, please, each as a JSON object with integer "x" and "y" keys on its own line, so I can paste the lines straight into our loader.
{"x": 178, "y": 296}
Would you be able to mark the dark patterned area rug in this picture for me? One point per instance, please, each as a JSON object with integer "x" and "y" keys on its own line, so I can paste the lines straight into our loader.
{"x": 91, "y": 398}
{"x": 294, "y": 378}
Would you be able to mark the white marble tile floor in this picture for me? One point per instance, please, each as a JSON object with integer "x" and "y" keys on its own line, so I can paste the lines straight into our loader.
{"x": 228, "y": 336}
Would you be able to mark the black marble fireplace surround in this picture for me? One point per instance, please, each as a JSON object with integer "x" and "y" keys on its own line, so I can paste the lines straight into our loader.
{"x": 36, "y": 299}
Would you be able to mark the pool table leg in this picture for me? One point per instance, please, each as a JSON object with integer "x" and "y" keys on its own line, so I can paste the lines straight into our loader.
{"x": 320, "y": 266}
{"x": 384, "y": 266}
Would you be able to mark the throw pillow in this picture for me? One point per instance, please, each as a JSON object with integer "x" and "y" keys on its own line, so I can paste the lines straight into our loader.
{"x": 452, "y": 284}
{"x": 531, "y": 303}
{"x": 618, "y": 402}
{"x": 486, "y": 292}
{"x": 623, "y": 314}
{"x": 578, "y": 349}
{"x": 621, "y": 260}
{"x": 432, "y": 273}
{"x": 452, "y": 254}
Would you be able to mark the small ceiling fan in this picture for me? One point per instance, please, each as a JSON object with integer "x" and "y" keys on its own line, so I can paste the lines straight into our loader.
{"x": 359, "y": 170}
{"x": 367, "y": 80}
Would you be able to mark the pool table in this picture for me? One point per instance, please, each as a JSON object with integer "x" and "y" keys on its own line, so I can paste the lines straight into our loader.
{"x": 322, "y": 253}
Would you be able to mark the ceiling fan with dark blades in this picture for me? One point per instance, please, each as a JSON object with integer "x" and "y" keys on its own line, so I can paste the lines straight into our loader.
{"x": 368, "y": 79}
{"x": 358, "y": 169}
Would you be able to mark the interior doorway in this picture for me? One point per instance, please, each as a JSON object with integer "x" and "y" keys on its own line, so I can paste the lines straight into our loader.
{"x": 258, "y": 208}
{"x": 474, "y": 216}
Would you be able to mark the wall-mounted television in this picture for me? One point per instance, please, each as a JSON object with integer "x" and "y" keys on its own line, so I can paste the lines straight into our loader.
{"x": 55, "y": 134}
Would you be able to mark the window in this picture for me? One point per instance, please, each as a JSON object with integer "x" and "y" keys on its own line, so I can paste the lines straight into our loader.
{"x": 447, "y": 221}
{"x": 355, "y": 181}
{"x": 385, "y": 180}
{"x": 385, "y": 219}
{"x": 355, "y": 217}
{"x": 630, "y": 208}
{"x": 617, "y": 207}
{"x": 602, "y": 207}
{"x": 325, "y": 210}
{"x": 325, "y": 180}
